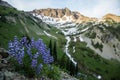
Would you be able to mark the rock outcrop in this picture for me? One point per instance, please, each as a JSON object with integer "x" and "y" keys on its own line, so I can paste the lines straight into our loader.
{"x": 112, "y": 17}
{"x": 72, "y": 16}
{"x": 63, "y": 14}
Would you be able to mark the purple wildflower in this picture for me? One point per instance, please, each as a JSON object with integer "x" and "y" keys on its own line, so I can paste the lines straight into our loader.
{"x": 34, "y": 63}
{"x": 39, "y": 68}
{"x": 18, "y": 48}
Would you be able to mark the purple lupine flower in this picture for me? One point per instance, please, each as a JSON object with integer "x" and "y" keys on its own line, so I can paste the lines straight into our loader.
{"x": 15, "y": 40}
{"x": 51, "y": 59}
{"x": 34, "y": 63}
{"x": 39, "y": 68}
{"x": 11, "y": 49}
{"x": 47, "y": 58}
{"x": 23, "y": 40}
{"x": 20, "y": 55}
{"x": 32, "y": 42}
{"x": 19, "y": 60}
{"x": 36, "y": 55}
{"x": 22, "y": 52}
{"x": 17, "y": 50}
{"x": 29, "y": 52}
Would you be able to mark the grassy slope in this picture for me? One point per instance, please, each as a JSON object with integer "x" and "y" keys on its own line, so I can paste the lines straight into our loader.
{"x": 90, "y": 63}
{"x": 14, "y": 23}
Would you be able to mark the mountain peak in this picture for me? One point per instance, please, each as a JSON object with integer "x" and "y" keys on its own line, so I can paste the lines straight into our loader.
{"x": 64, "y": 14}
{"x": 66, "y": 8}
{"x": 109, "y": 14}
{"x": 112, "y": 16}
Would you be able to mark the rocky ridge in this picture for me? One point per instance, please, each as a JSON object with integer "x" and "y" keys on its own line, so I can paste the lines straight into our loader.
{"x": 112, "y": 17}
{"x": 3, "y": 3}
{"x": 63, "y": 15}
{"x": 72, "y": 16}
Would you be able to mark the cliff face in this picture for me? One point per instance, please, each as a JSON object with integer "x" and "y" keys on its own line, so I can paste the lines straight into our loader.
{"x": 73, "y": 16}
{"x": 57, "y": 13}
{"x": 112, "y": 17}
{"x": 63, "y": 14}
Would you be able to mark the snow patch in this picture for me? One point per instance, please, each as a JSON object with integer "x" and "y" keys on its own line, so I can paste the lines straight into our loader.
{"x": 56, "y": 21}
{"x": 49, "y": 35}
{"x": 73, "y": 49}
{"x": 84, "y": 29}
{"x": 46, "y": 19}
{"x": 70, "y": 31}
{"x": 66, "y": 24}
{"x": 81, "y": 39}
{"x": 75, "y": 39}
{"x": 99, "y": 77}
{"x": 67, "y": 51}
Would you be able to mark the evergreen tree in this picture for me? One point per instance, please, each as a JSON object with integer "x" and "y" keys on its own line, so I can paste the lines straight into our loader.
{"x": 68, "y": 64}
{"x": 76, "y": 69}
{"x": 50, "y": 46}
{"x": 63, "y": 62}
{"x": 55, "y": 51}
{"x": 73, "y": 69}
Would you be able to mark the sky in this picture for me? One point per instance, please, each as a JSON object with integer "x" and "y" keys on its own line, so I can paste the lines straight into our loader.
{"x": 90, "y": 8}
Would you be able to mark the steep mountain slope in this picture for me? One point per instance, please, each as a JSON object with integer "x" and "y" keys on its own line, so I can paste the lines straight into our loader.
{"x": 71, "y": 16}
{"x": 88, "y": 40}
{"x": 3, "y": 3}
{"x": 94, "y": 29}
{"x": 63, "y": 15}
{"x": 85, "y": 38}
{"x": 19, "y": 23}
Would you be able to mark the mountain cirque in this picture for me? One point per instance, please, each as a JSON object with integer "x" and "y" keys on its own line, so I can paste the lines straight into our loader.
{"x": 64, "y": 15}
{"x": 72, "y": 16}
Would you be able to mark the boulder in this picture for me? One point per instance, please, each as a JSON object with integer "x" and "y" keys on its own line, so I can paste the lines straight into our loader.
{"x": 3, "y": 53}
{"x": 1, "y": 76}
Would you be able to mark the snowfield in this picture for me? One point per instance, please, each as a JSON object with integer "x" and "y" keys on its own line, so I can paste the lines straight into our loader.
{"x": 49, "y": 35}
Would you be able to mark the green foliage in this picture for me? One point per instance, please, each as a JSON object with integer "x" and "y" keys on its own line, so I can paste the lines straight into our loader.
{"x": 91, "y": 35}
{"x": 68, "y": 64}
{"x": 50, "y": 47}
{"x": 72, "y": 68}
{"x": 28, "y": 60}
{"x": 115, "y": 29}
{"x": 24, "y": 69}
{"x": 76, "y": 69}
{"x": 55, "y": 51}
{"x": 8, "y": 11}
{"x": 62, "y": 61}
{"x": 97, "y": 45}
{"x": 51, "y": 72}
{"x": 18, "y": 28}
{"x": 90, "y": 62}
